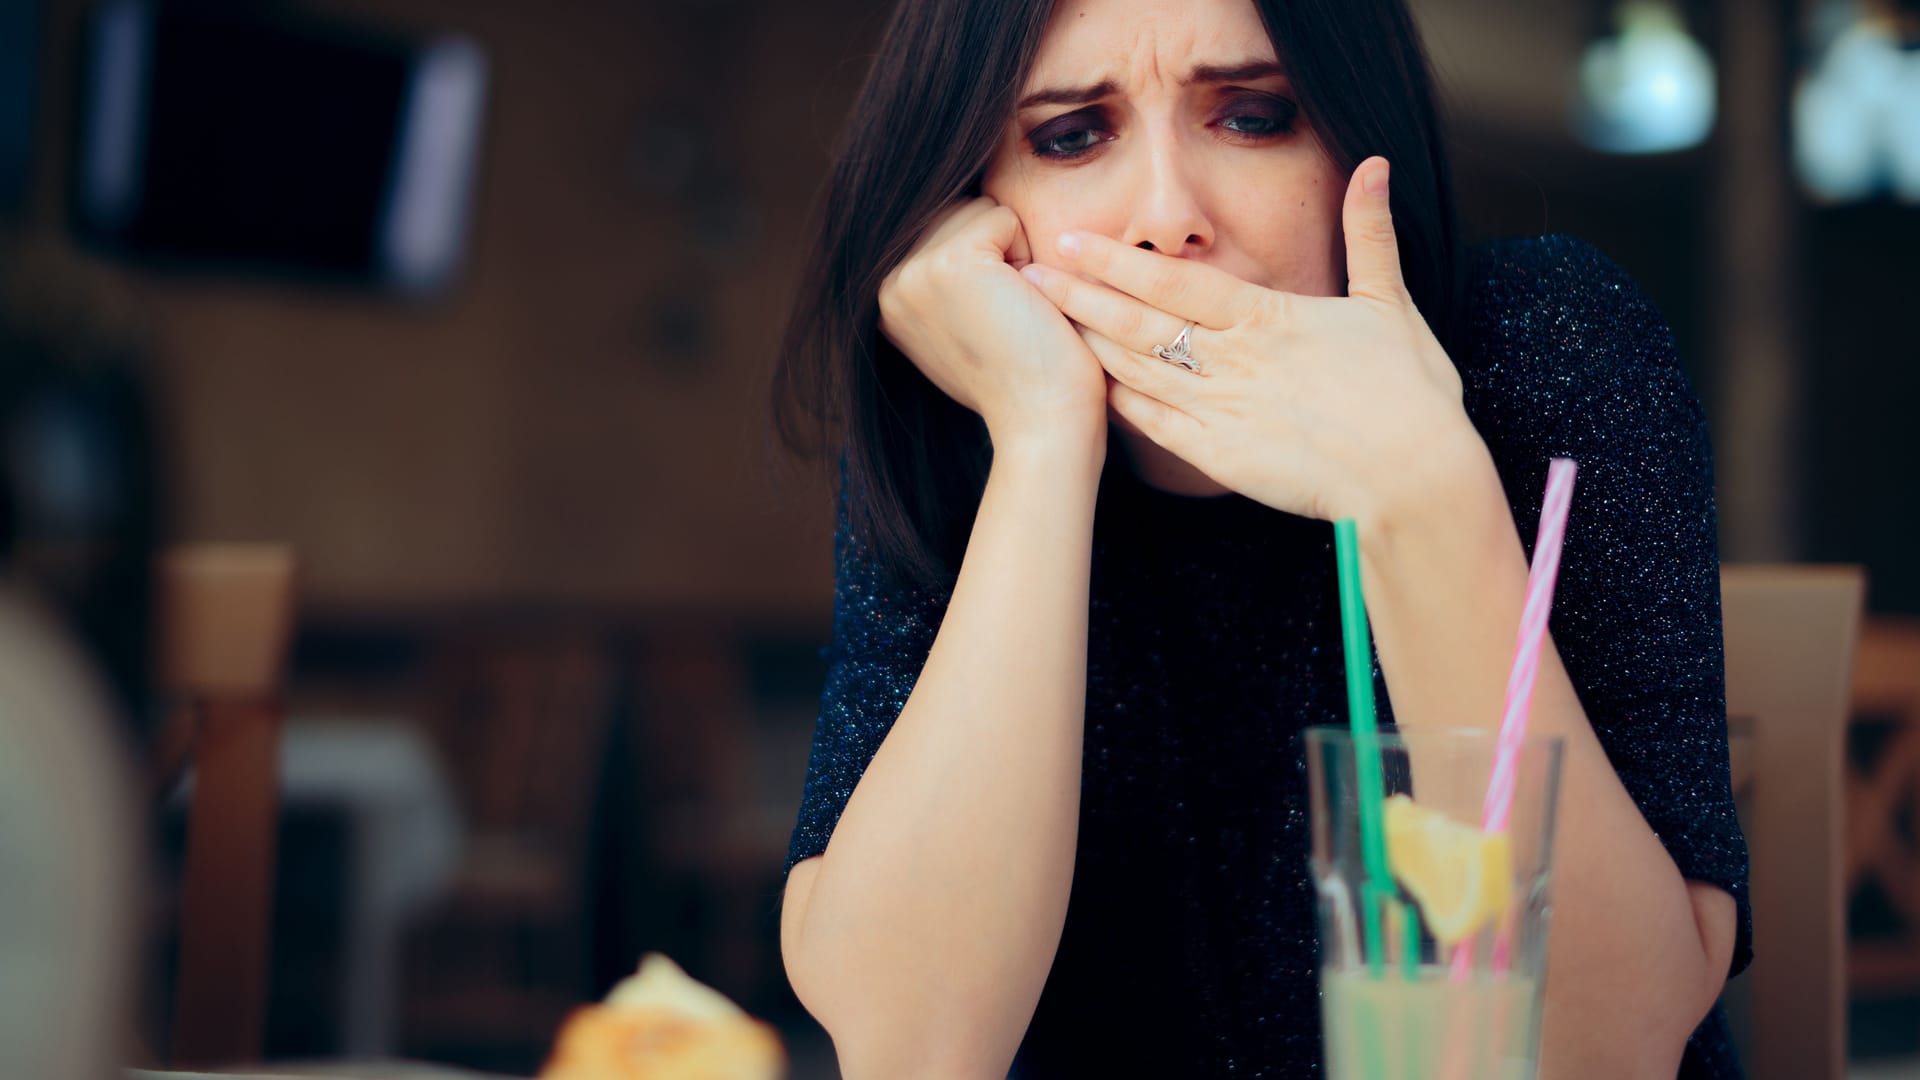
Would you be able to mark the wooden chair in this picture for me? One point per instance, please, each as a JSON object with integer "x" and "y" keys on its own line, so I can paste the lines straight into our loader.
{"x": 1790, "y": 634}
{"x": 521, "y": 718}
{"x": 1881, "y": 790}
{"x": 694, "y": 711}
{"x": 225, "y": 621}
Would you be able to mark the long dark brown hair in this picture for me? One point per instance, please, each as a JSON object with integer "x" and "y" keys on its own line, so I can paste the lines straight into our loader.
{"x": 922, "y": 131}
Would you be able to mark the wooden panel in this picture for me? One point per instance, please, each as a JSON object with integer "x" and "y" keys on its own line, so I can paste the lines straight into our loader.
{"x": 1790, "y": 635}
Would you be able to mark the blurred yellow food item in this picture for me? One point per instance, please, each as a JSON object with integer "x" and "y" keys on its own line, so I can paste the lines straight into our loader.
{"x": 1462, "y": 877}
{"x": 660, "y": 1024}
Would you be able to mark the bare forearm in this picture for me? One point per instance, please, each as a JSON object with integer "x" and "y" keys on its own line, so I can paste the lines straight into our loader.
{"x": 1632, "y": 968}
{"x": 932, "y": 919}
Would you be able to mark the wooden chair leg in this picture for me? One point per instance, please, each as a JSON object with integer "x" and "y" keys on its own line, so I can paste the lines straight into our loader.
{"x": 227, "y": 901}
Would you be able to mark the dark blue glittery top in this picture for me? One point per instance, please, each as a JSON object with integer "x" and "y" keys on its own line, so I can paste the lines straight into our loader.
{"x": 1189, "y": 945}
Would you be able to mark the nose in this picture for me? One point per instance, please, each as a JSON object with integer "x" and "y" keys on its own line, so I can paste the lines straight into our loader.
{"x": 1169, "y": 214}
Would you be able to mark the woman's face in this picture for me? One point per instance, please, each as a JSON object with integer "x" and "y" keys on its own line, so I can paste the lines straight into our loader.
{"x": 1168, "y": 124}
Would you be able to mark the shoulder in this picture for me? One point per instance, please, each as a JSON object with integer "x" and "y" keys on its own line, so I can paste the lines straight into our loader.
{"x": 1554, "y": 332}
{"x": 1558, "y": 300}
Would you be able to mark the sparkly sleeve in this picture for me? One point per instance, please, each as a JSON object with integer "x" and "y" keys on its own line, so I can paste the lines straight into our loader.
{"x": 1576, "y": 362}
{"x": 882, "y": 632}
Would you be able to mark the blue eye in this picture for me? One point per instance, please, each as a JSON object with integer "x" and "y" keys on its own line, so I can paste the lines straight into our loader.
{"x": 1070, "y": 144}
{"x": 1252, "y": 125}
{"x": 1260, "y": 116}
{"x": 1068, "y": 136}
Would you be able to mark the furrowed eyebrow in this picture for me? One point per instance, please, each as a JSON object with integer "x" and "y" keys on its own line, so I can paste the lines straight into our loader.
{"x": 1204, "y": 73}
{"x": 1247, "y": 72}
{"x": 1069, "y": 95}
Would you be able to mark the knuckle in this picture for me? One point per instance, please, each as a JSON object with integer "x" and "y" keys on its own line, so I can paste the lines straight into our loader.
{"x": 904, "y": 282}
{"x": 1378, "y": 228}
{"x": 1168, "y": 282}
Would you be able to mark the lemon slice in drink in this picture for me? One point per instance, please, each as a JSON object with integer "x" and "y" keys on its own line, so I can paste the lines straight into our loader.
{"x": 1462, "y": 877}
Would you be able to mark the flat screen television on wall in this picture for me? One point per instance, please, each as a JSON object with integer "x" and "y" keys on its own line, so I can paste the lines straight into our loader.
{"x": 19, "y": 79}
{"x": 242, "y": 141}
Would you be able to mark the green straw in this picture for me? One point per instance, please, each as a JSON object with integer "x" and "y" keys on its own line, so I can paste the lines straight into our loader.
{"x": 1410, "y": 951}
{"x": 1378, "y": 890}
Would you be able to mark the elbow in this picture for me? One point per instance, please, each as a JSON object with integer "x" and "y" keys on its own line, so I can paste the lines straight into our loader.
{"x": 802, "y": 967}
{"x": 794, "y": 955}
{"x": 883, "y": 1034}
{"x": 1716, "y": 918}
{"x": 885, "y": 1027}
{"x": 878, "y": 1053}
{"x": 1635, "y": 1021}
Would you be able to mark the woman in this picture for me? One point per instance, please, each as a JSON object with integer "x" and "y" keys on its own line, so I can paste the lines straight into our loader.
{"x": 1116, "y": 303}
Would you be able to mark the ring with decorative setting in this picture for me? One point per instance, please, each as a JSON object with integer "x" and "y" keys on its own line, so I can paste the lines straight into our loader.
{"x": 1179, "y": 352}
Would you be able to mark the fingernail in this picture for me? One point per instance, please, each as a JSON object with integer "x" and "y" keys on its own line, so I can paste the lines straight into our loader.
{"x": 1069, "y": 243}
{"x": 1377, "y": 180}
{"x": 1032, "y": 273}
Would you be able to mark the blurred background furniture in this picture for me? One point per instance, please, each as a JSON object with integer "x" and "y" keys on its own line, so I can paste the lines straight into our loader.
{"x": 521, "y": 719}
{"x": 403, "y": 842}
{"x": 1790, "y": 633}
{"x": 1883, "y": 817}
{"x": 226, "y": 619}
{"x": 714, "y": 834}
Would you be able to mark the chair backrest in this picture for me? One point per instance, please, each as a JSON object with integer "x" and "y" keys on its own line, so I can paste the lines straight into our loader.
{"x": 521, "y": 717}
{"x": 1790, "y": 634}
{"x": 226, "y": 620}
{"x": 1883, "y": 852}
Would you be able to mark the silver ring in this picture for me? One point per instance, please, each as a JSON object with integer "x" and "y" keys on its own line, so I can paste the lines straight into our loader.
{"x": 1179, "y": 352}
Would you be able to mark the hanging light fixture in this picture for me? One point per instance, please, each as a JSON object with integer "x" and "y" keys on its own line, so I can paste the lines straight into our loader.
{"x": 1856, "y": 111}
{"x": 1648, "y": 88}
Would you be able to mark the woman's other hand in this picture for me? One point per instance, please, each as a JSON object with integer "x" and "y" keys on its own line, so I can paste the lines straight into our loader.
{"x": 1327, "y": 407}
{"x": 959, "y": 309}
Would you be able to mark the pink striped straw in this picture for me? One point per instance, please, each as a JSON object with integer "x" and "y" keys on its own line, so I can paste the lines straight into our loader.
{"x": 1526, "y": 667}
{"x": 1533, "y": 633}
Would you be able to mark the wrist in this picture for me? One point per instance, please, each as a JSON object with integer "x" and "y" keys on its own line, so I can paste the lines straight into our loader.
{"x": 1062, "y": 454}
{"x": 1443, "y": 502}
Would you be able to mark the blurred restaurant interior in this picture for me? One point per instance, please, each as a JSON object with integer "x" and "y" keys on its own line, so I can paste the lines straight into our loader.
{"x": 413, "y": 356}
